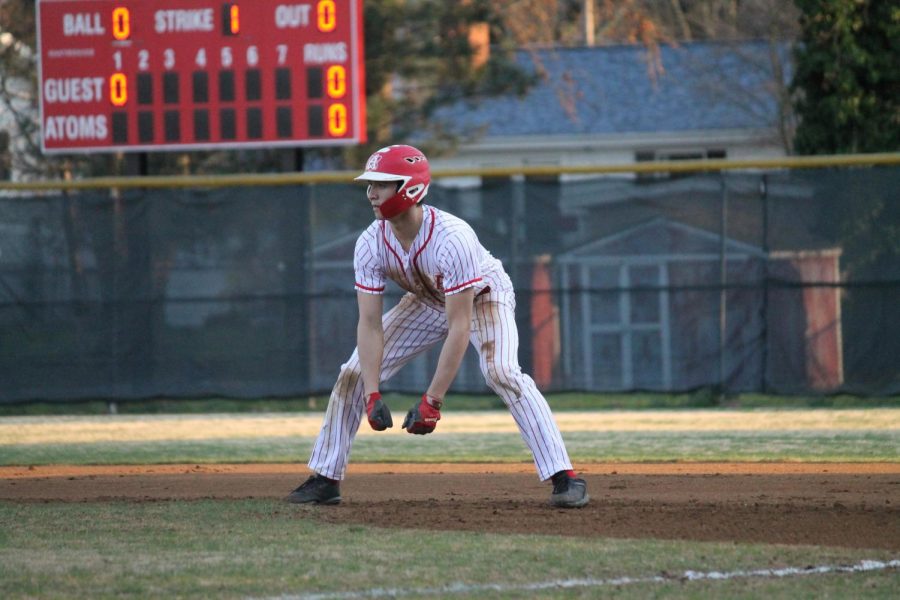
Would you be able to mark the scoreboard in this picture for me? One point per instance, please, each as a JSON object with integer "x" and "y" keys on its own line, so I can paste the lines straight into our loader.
{"x": 140, "y": 75}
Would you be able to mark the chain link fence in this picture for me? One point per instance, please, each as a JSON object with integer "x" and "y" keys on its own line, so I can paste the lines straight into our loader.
{"x": 773, "y": 280}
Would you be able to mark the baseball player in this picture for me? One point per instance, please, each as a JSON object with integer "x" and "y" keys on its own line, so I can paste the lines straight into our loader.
{"x": 457, "y": 293}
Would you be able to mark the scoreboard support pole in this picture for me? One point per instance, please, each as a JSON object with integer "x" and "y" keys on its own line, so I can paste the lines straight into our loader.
{"x": 136, "y": 163}
{"x": 293, "y": 160}
{"x": 134, "y": 310}
{"x": 295, "y": 231}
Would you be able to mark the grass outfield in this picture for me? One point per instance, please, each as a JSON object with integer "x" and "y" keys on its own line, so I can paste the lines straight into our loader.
{"x": 264, "y": 549}
{"x": 848, "y": 435}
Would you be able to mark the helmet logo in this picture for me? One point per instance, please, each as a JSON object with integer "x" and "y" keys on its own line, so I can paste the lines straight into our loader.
{"x": 374, "y": 161}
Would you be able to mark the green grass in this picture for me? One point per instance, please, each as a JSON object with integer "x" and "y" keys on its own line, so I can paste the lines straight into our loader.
{"x": 827, "y": 446}
{"x": 261, "y": 548}
{"x": 561, "y": 401}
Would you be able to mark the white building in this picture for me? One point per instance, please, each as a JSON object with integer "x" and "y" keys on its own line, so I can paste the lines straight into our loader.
{"x": 619, "y": 105}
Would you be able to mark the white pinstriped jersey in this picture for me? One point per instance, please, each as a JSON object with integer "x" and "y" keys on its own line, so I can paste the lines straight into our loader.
{"x": 445, "y": 258}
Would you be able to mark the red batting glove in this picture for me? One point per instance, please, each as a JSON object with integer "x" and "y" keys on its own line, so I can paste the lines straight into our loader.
{"x": 378, "y": 412}
{"x": 423, "y": 417}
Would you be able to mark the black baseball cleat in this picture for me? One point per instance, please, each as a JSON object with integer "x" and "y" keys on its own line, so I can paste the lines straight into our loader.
{"x": 316, "y": 490}
{"x": 568, "y": 492}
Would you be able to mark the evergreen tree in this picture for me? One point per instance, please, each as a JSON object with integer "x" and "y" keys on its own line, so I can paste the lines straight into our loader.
{"x": 847, "y": 80}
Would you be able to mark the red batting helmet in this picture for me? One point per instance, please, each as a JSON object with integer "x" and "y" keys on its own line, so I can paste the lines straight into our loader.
{"x": 406, "y": 165}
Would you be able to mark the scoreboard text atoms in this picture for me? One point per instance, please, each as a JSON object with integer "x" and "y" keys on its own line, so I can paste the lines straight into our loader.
{"x": 121, "y": 75}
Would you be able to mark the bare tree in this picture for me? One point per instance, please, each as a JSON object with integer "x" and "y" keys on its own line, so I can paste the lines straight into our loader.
{"x": 18, "y": 87}
{"x": 650, "y": 23}
{"x": 733, "y": 24}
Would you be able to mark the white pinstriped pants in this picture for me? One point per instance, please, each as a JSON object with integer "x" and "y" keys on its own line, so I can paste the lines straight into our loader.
{"x": 411, "y": 328}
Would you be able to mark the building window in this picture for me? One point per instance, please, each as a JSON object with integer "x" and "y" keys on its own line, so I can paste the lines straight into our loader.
{"x": 642, "y": 156}
{"x": 626, "y": 338}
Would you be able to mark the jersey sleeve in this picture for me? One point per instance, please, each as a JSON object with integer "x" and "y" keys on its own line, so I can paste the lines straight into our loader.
{"x": 460, "y": 261}
{"x": 367, "y": 267}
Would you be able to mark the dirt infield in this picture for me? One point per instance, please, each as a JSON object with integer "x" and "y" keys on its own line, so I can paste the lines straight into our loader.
{"x": 848, "y": 505}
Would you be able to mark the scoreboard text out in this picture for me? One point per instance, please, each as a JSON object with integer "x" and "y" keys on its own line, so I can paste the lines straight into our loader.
{"x": 136, "y": 75}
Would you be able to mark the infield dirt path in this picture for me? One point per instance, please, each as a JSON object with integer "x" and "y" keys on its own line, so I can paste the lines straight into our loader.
{"x": 850, "y": 504}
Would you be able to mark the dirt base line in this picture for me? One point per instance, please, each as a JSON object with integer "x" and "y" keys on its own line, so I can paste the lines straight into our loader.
{"x": 602, "y": 468}
{"x": 853, "y": 505}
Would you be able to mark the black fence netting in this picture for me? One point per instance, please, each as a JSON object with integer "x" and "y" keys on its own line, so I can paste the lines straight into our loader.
{"x": 783, "y": 282}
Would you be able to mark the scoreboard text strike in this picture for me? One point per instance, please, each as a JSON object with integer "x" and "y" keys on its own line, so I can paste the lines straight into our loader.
{"x": 137, "y": 75}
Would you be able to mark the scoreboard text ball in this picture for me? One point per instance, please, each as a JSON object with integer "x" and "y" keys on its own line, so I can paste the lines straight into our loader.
{"x": 138, "y": 75}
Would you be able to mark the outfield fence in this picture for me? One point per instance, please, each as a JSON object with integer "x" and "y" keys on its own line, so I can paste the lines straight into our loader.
{"x": 778, "y": 276}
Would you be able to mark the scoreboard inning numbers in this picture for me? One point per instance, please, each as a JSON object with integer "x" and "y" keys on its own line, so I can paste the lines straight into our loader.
{"x": 139, "y": 75}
